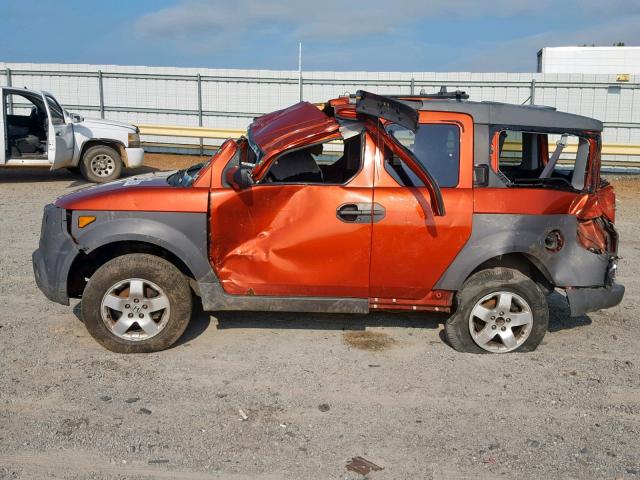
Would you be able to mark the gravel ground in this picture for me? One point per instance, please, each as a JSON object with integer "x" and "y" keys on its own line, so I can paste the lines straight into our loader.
{"x": 316, "y": 390}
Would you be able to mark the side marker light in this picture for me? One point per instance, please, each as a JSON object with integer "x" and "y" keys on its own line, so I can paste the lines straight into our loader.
{"x": 85, "y": 220}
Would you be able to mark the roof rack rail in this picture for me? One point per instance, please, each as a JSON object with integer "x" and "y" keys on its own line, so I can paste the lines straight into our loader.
{"x": 441, "y": 95}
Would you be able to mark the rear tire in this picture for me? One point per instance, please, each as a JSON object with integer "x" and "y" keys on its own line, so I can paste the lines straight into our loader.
{"x": 137, "y": 303}
{"x": 499, "y": 310}
{"x": 101, "y": 164}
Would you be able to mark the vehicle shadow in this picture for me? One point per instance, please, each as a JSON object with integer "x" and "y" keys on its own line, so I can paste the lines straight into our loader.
{"x": 328, "y": 321}
{"x": 43, "y": 174}
{"x": 560, "y": 316}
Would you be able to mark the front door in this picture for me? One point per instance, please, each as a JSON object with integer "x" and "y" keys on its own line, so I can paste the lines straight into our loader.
{"x": 60, "y": 134}
{"x": 304, "y": 231}
{"x": 411, "y": 247}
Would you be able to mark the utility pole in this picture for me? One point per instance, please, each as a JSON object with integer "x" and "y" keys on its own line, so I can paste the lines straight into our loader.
{"x": 300, "y": 69}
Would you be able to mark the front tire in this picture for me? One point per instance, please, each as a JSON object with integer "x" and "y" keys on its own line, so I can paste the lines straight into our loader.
{"x": 101, "y": 164}
{"x": 499, "y": 310}
{"x": 137, "y": 303}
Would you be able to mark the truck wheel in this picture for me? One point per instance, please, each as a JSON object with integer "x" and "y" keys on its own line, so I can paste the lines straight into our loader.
{"x": 499, "y": 310}
{"x": 137, "y": 303}
{"x": 101, "y": 164}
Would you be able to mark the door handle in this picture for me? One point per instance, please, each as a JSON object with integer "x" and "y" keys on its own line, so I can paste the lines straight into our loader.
{"x": 360, "y": 212}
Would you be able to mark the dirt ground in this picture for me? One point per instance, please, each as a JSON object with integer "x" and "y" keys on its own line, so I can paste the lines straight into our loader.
{"x": 316, "y": 390}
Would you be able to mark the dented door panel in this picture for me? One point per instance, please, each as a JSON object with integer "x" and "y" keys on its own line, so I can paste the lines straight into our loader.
{"x": 287, "y": 240}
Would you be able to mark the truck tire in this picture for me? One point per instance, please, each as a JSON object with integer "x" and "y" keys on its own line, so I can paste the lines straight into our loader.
{"x": 137, "y": 303}
{"x": 101, "y": 164}
{"x": 499, "y": 310}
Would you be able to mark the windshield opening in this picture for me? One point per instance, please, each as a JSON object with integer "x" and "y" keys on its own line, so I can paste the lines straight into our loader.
{"x": 186, "y": 176}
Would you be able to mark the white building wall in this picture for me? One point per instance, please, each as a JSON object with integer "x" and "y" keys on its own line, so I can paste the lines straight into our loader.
{"x": 614, "y": 60}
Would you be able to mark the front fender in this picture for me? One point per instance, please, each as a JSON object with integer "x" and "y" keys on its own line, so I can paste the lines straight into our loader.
{"x": 182, "y": 234}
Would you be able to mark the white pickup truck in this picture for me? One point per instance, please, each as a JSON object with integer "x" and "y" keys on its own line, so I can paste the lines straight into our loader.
{"x": 36, "y": 131}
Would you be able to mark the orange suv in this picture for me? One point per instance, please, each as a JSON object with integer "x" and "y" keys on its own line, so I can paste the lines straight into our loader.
{"x": 422, "y": 203}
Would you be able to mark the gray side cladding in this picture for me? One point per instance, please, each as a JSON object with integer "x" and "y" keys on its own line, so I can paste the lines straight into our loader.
{"x": 499, "y": 234}
{"x": 183, "y": 234}
{"x": 186, "y": 236}
{"x": 214, "y": 298}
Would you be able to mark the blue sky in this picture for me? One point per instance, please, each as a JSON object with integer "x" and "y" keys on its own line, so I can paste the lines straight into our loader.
{"x": 376, "y": 35}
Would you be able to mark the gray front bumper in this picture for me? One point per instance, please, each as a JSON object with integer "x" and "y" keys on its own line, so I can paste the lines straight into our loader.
{"x": 54, "y": 256}
{"x": 585, "y": 300}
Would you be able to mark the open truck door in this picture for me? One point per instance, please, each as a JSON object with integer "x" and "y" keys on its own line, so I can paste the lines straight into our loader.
{"x": 3, "y": 129}
{"x": 60, "y": 134}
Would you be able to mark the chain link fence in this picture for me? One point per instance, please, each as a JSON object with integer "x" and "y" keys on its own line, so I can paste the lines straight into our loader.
{"x": 230, "y": 99}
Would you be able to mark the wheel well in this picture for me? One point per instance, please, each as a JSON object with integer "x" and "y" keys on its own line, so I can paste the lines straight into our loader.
{"x": 525, "y": 264}
{"x": 116, "y": 145}
{"x": 85, "y": 265}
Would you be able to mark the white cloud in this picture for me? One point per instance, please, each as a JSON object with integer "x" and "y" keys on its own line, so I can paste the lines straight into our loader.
{"x": 338, "y": 30}
{"x": 326, "y": 19}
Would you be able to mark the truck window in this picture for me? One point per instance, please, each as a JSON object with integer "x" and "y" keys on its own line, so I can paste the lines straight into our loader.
{"x": 436, "y": 146}
{"x": 57, "y": 115}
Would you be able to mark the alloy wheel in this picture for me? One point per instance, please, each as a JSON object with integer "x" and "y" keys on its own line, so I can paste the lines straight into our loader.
{"x": 500, "y": 322}
{"x": 135, "y": 309}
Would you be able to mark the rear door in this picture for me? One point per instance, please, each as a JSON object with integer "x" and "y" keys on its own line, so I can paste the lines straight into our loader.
{"x": 60, "y": 134}
{"x": 412, "y": 247}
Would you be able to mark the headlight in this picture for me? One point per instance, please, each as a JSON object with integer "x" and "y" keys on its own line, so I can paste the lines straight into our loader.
{"x": 134, "y": 140}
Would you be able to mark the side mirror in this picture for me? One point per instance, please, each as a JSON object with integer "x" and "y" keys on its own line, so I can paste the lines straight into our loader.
{"x": 75, "y": 118}
{"x": 239, "y": 178}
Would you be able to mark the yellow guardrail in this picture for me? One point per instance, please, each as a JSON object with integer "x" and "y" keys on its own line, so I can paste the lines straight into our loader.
{"x": 224, "y": 133}
{"x": 607, "y": 148}
{"x": 191, "y": 132}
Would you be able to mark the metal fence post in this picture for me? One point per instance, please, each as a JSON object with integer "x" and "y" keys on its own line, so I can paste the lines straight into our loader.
{"x": 10, "y": 103}
{"x": 533, "y": 92}
{"x": 101, "y": 93}
{"x": 199, "y": 80}
{"x": 413, "y": 85}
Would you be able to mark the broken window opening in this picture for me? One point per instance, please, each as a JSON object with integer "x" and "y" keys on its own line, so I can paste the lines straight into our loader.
{"x": 325, "y": 163}
{"x": 555, "y": 160}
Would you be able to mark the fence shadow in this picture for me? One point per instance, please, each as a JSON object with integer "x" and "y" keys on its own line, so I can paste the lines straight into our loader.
{"x": 322, "y": 321}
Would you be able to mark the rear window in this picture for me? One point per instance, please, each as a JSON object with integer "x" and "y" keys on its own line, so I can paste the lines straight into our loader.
{"x": 437, "y": 148}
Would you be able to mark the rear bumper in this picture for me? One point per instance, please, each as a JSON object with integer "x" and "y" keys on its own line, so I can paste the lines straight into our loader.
{"x": 585, "y": 300}
{"x": 135, "y": 157}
